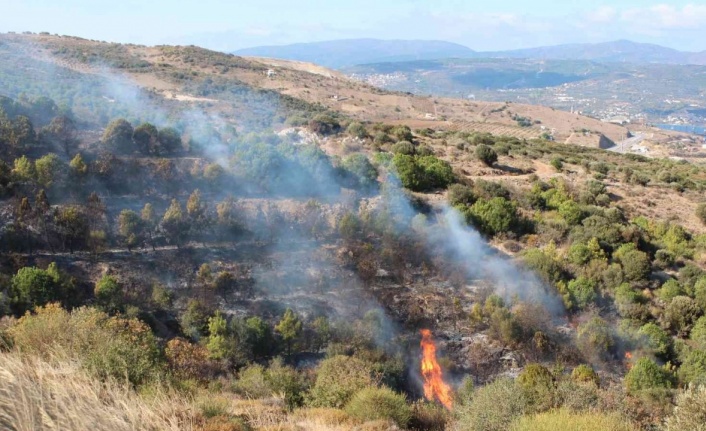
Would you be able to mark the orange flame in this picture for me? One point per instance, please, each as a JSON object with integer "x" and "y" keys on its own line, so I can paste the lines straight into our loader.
{"x": 434, "y": 385}
{"x": 628, "y": 357}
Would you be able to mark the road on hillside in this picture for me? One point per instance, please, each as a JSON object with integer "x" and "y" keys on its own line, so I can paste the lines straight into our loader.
{"x": 627, "y": 144}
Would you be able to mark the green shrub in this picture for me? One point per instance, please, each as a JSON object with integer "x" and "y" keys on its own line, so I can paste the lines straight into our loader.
{"x": 504, "y": 326}
{"x": 285, "y": 380}
{"x": 629, "y": 301}
{"x": 577, "y": 396}
{"x": 108, "y": 293}
{"x": 544, "y": 264}
{"x": 537, "y": 384}
{"x": 493, "y": 407}
{"x": 571, "y": 212}
{"x": 557, "y": 163}
{"x": 698, "y": 333}
{"x": 595, "y": 337}
{"x": 118, "y": 136}
{"x": 252, "y": 382}
{"x": 438, "y": 172}
{"x": 380, "y": 403}
{"x": 486, "y": 155}
{"x": 670, "y": 290}
{"x": 124, "y": 349}
{"x": 403, "y": 147}
{"x": 402, "y": 133}
{"x": 494, "y": 216}
{"x": 664, "y": 258}
{"x": 585, "y": 374}
{"x": 424, "y": 150}
{"x": 361, "y": 168}
{"x": 635, "y": 263}
{"x": 701, "y": 212}
{"x": 459, "y": 194}
{"x": 646, "y": 375}
{"x": 579, "y": 254}
{"x": 681, "y": 314}
{"x": 700, "y": 293}
{"x": 693, "y": 369}
{"x": 582, "y": 292}
{"x": 690, "y": 411}
{"x": 656, "y": 339}
{"x": 490, "y": 189}
{"x": 32, "y": 287}
{"x": 324, "y": 124}
{"x": 357, "y": 130}
{"x": 337, "y": 379}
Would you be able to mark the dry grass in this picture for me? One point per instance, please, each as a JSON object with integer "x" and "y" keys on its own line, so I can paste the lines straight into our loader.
{"x": 38, "y": 394}
{"x": 566, "y": 420}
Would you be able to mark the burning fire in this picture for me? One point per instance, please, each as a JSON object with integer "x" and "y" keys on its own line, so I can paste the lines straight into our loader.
{"x": 628, "y": 359}
{"x": 434, "y": 385}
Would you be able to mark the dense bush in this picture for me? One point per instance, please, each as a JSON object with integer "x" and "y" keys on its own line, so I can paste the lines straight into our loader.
{"x": 635, "y": 263}
{"x": 693, "y": 368}
{"x": 656, "y": 339}
{"x": 537, "y": 384}
{"x": 585, "y": 374}
{"x": 701, "y": 212}
{"x": 493, "y": 407}
{"x": 380, "y": 403}
{"x": 403, "y": 147}
{"x": 459, "y": 194}
{"x": 646, "y": 375}
{"x": 338, "y": 379}
{"x": 486, "y": 155}
{"x": 595, "y": 338}
{"x": 422, "y": 173}
{"x": 118, "y": 136}
{"x": 324, "y": 124}
{"x": 124, "y": 349}
{"x": 698, "y": 333}
{"x": 494, "y": 216}
{"x": 690, "y": 411}
{"x": 363, "y": 171}
{"x": 32, "y": 287}
{"x": 581, "y": 293}
{"x": 357, "y": 130}
{"x": 681, "y": 314}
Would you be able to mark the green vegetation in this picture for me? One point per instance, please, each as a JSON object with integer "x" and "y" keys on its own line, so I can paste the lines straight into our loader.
{"x": 380, "y": 403}
{"x": 241, "y": 268}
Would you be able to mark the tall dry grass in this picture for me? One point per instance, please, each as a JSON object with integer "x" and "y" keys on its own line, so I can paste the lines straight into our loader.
{"x": 44, "y": 394}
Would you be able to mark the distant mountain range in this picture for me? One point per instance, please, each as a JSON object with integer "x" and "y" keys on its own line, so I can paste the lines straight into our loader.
{"x": 344, "y": 53}
{"x": 337, "y": 54}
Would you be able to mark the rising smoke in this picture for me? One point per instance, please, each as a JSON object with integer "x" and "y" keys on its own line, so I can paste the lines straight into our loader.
{"x": 298, "y": 265}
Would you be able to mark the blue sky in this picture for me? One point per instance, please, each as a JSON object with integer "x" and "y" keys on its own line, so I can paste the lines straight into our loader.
{"x": 481, "y": 25}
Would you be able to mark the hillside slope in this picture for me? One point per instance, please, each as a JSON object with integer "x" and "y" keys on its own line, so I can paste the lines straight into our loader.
{"x": 274, "y": 246}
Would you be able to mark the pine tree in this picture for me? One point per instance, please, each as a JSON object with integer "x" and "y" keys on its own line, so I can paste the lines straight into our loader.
{"x": 289, "y": 327}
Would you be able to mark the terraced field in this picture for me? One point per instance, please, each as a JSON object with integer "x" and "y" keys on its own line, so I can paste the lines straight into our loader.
{"x": 495, "y": 129}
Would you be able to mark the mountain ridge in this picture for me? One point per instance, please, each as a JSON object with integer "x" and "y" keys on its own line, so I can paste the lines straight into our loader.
{"x": 349, "y": 52}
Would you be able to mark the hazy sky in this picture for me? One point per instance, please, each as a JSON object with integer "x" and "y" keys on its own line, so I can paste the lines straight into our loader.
{"x": 481, "y": 25}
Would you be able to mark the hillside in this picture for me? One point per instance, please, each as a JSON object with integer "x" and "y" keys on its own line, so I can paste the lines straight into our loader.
{"x": 195, "y": 240}
{"x": 342, "y": 53}
{"x": 616, "y": 92}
